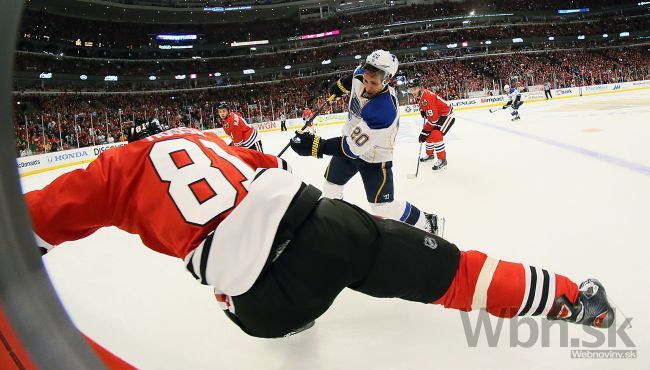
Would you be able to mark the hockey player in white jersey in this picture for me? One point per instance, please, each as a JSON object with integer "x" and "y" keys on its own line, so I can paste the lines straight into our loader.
{"x": 514, "y": 101}
{"x": 367, "y": 142}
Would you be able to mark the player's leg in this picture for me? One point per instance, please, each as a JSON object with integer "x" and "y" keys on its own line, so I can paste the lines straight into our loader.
{"x": 327, "y": 252}
{"x": 337, "y": 174}
{"x": 414, "y": 265}
{"x": 380, "y": 193}
{"x": 439, "y": 148}
{"x": 429, "y": 153}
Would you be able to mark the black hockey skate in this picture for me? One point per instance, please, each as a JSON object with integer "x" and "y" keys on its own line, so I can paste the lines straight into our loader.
{"x": 434, "y": 224}
{"x": 427, "y": 158}
{"x": 591, "y": 308}
{"x": 440, "y": 165}
{"x": 515, "y": 118}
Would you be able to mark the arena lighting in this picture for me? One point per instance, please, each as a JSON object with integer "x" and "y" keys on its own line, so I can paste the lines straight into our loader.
{"x": 315, "y": 35}
{"x": 217, "y": 74}
{"x": 605, "y": 35}
{"x": 624, "y": 34}
{"x": 46, "y": 75}
{"x": 168, "y": 47}
{"x": 253, "y": 49}
{"x": 83, "y": 77}
{"x": 581, "y": 37}
{"x": 551, "y": 38}
{"x": 472, "y": 13}
{"x": 568, "y": 11}
{"x": 221, "y": 9}
{"x": 193, "y": 76}
{"x": 464, "y": 44}
{"x": 424, "y": 48}
{"x": 175, "y": 37}
{"x": 643, "y": 3}
{"x": 287, "y": 67}
{"x": 488, "y": 42}
{"x": 153, "y": 78}
{"x": 110, "y": 78}
{"x": 249, "y": 43}
{"x": 465, "y": 22}
{"x": 357, "y": 57}
{"x": 249, "y": 71}
{"x": 326, "y": 61}
{"x": 451, "y": 46}
{"x": 179, "y": 77}
{"x": 517, "y": 39}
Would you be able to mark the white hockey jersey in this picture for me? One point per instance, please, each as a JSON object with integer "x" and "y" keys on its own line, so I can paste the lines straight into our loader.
{"x": 372, "y": 123}
{"x": 512, "y": 94}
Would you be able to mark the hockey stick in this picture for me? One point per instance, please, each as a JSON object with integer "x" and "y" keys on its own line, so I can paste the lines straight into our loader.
{"x": 417, "y": 169}
{"x": 492, "y": 110}
{"x": 329, "y": 100}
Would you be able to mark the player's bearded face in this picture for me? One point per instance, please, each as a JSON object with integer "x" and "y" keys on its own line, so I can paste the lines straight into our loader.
{"x": 222, "y": 113}
{"x": 372, "y": 83}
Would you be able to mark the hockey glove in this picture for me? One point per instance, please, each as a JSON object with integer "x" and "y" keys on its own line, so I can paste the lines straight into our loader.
{"x": 424, "y": 115}
{"x": 341, "y": 87}
{"x": 424, "y": 135}
{"x": 306, "y": 144}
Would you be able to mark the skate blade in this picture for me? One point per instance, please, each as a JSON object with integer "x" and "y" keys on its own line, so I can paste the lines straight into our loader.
{"x": 441, "y": 227}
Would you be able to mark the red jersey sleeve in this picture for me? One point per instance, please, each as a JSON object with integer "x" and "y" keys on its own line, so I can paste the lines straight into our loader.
{"x": 81, "y": 206}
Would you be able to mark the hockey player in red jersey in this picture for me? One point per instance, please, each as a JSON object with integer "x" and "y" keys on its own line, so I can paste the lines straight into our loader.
{"x": 189, "y": 195}
{"x": 242, "y": 134}
{"x": 438, "y": 118}
{"x": 307, "y": 114}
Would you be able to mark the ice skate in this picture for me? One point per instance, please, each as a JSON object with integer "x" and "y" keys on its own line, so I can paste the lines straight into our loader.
{"x": 441, "y": 164}
{"x": 427, "y": 158}
{"x": 434, "y": 224}
{"x": 591, "y": 308}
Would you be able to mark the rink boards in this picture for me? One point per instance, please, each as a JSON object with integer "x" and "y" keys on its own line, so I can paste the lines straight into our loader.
{"x": 40, "y": 163}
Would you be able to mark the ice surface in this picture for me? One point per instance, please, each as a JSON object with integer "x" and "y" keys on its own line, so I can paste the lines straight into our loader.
{"x": 566, "y": 188}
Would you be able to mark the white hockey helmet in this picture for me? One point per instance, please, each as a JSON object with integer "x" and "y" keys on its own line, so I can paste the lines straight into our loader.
{"x": 506, "y": 87}
{"x": 385, "y": 62}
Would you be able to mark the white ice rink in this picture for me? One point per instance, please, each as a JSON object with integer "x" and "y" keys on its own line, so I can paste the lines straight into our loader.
{"x": 566, "y": 188}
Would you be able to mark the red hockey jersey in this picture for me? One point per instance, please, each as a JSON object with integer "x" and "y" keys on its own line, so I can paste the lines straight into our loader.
{"x": 172, "y": 189}
{"x": 433, "y": 107}
{"x": 307, "y": 114}
{"x": 241, "y": 133}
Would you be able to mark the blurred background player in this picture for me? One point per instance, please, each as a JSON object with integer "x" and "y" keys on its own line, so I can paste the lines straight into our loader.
{"x": 514, "y": 101}
{"x": 241, "y": 133}
{"x": 438, "y": 119}
{"x": 366, "y": 146}
{"x": 307, "y": 114}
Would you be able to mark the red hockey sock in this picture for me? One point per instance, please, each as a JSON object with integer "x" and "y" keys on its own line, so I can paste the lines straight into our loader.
{"x": 504, "y": 289}
{"x": 436, "y": 144}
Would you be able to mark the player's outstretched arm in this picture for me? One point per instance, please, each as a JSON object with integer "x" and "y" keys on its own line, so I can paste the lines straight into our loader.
{"x": 257, "y": 159}
{"x": 73, "y": 206}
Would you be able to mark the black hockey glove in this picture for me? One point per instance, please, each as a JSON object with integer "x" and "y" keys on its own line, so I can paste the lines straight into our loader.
{"x": 424, "y": 135}
{"x": 341, "y": 87}
{"x": 424, "y": 115}
{"x": 507, "y": 104}
{"x": 306, "y": 144}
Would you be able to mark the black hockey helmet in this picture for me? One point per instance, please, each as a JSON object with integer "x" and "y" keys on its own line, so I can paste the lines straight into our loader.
{"x": 143, "y": 128}
{"x": 415, "y": 82}
{"x": 223, "y": 105}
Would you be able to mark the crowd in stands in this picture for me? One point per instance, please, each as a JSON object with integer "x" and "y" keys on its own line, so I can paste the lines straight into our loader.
{"x": 111, "y": 34}
{"x": 32, "y": 62}
{"x": 45, "y": 123}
